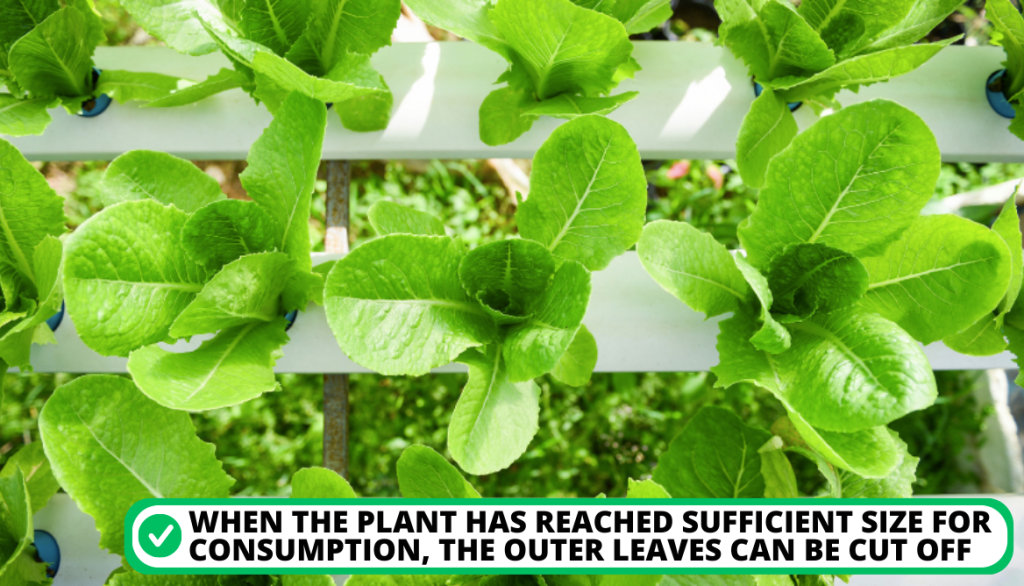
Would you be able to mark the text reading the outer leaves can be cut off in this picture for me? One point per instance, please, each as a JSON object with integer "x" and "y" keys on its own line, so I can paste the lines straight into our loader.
{"x": 602, "y": 535}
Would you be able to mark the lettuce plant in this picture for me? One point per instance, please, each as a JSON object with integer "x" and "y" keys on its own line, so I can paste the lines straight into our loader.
{"x": 31, "y": 222}
{"x": 415, "y": 299}
{"x": 1007, "y": 20}
{"x": 565, "y": 56}
{"x": 841, "y": 280}
{"x": 319, "y": 48}
{"x": 809, "y": 54}
{"x": 46, "y": 60}
{"x": 172, "y": 258}
{"x": 26, "y": 485}
{"x": 105, "y": 468}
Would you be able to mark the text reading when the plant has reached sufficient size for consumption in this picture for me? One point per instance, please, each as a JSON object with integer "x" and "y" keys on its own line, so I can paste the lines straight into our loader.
{"x": 586, "y": 536}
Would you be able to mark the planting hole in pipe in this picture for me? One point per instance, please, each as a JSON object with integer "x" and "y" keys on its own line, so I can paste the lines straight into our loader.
{"x": 793, "y": 106}
{"x": 95, "y": 106}
{"x": 55, "y": 319}
{"x": 996, "y": 98}
{"x": 290, "y": 316}
{"x": 47, "y": 551}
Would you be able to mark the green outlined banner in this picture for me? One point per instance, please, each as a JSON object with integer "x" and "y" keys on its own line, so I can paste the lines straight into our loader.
{"x": 569, "y": 536}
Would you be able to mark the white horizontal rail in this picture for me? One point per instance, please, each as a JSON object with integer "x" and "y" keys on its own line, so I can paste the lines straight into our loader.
{"x": 692, "y": 99}
{"x": 638, "y": 325}
{"x": 83, "y": 563}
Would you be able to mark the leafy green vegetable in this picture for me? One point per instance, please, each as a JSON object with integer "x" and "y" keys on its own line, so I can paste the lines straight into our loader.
{"x": 691, "y": 265}
{"x": 319, "y": 49}
{"x": 839, "y": 211}
{"x": 31, "y": 219}
{"x": 512, "y": 310}
{"x": 779, "y": 478}
{"x": 854, "y": 180}
{"x": 110, "y": 446}
{"x": 167, "y": 179}
{"x": 423, "y": 473}
{"x": 46, "y": 59}
{"x": 403, "y": 292}
{"x": 177, "y": 259}
{"x": 715, "y": 456}
{"x": 812, "y": 53}
{"x": 564, "y": 57}
{"x": 585, "y": 188}
{"x": 941, "y": 277}
{"x": 495, "y": 418}
{"x": 16, "y": 533}
{"x": 36, "y": 472}
{"x": 320, "y": 483}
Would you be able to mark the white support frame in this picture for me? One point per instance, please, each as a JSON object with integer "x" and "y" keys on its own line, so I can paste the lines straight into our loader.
{"x": 693, "y": 97}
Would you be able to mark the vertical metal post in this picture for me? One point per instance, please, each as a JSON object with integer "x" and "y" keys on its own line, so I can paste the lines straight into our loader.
{"x": 339, "y": 175}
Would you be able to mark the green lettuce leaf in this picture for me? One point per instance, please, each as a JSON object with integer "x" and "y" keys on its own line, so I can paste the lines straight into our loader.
{"x": 29, "y": 212}
{"x": 854, "y": 180}
{"x": 588, "y": 192}
{"x": 337, "y": 27}
{"x": 126, "y": 576}
{"x": 564, "y": 48}
{"x": 646, "y": 489}
{"x": 715, "y": 456}
{"x": 814, "y": 278}
{"x": 495, "y": 419}
{"x": 111, "y": 446}
{"x": 738, "y": 359}
{"x": 465, "y": 18}
{"x": 246, "y": 290}
{"x": 179, "y": 23}
{"x": 138, "y": 175}
{"x": 772, "y": 337}
{"x": 234, "y": 366}
{"x": 945, "y": 274}
{"x": 772, "y": 39}
{"x": 55, "y": 58}
{"x": 725, "y": 580}
{"x": 222, "y": 231}
{"x": 21, "y": 16}
{"x": 24, "y": 117}
{"x": 983, "y": 338}
{"x": 848, "y": 370}
{"x": 507, "y": 276}
{"x": 414, "y": 580}
{"x": 388, "y": 217}
{"x": 125, "y": 86}
{"x": 856, "y": 72}
{"x": 577, "y": 364}
{"x": 1007, "y": 227}
{"x": 396, "y": 305}
{"x": 779, "y": 478}
{"x": 767, "y": 128}
{"x": 503, "y": 116}
{"x": 282, "y": 171}
{"x": 535, "y": 346}
{"x": 844, "y": 23}
{"x": 222, "y": 81}
{"x": 869, "y": 453}
{"x": 274, "y": 23}
{"x": 640, "y": 16}
{"x": 277, "y": 77}
{"x": 423, "y": 473}
{"x": 918, "y": 22}
{"x": 126, "y": 276}
{"x": 570, "y": 106}
{"x": 320, "y": 483}
{"x": 370, "y": 112}
{"x": 40, "y": 483}
{"x": 18, "y": 565}
{"x": 1007, "y": 19}
{"x": 692, "y": 266}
